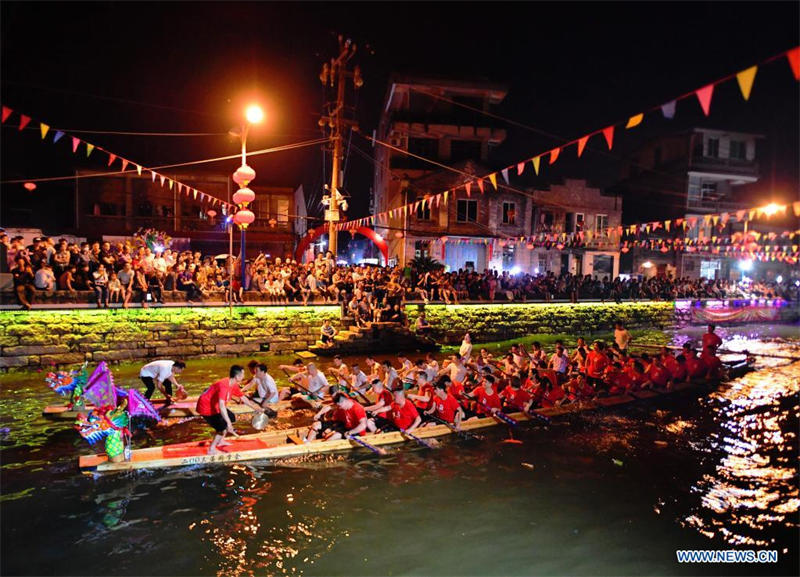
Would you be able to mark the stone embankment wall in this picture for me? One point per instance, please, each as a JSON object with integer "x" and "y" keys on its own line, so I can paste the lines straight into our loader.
{"x": 509, "y": 321}
{"x": 41, "y": 338}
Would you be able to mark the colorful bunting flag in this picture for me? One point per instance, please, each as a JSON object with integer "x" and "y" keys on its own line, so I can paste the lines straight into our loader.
{"x": 23, "y": 121}
{"x": 468, "y": 186}
{"x": 608, "y": 132}
{"x": 89, "y": 149}
{"x": 57, "y": 136}
{"x": 124, "y": 165}
{"x": 582, "y": 144}
{"x": 75, "y": 143}
{"x": 139, "y": 169}
{"x": 535, "y": 161}
{"x": 44, "y": 128}
{"x": 6, "y": 113}
{"x": 745, "y": 79}
{"x": 554, "y": 154}
{"x": 634, "y": 121}
{"x": 480, "y": 185}
{"x": 704, "y": 96}
{"x": 668, "y": 109}
{"x": 493, "y": 179}
{"x": 793, "y": 56}
{"x": 520, "y": 168}
{"x": 111, "y": 158}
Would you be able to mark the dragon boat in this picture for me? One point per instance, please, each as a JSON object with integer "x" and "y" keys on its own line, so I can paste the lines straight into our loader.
{"x": 179, "y": 409}
{"x": 272, "y": 446}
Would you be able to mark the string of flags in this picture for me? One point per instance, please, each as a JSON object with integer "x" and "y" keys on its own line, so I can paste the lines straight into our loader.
{"x": 76, "y": 143}
{"x": 744, "y": 78}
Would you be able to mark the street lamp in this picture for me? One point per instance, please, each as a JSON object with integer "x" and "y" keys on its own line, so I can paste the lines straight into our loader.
{"x": 243, "y": 176}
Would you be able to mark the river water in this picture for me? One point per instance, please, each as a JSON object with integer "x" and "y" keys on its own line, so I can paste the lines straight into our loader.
{"x": 610, "y": 492}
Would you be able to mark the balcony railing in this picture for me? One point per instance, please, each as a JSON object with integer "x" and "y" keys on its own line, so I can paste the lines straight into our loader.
{"x": 733, "y": 166}
{"x": 115, "y": 224}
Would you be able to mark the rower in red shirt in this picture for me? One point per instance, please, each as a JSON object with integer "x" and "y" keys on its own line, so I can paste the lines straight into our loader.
{"x": 487, "y": 399}
{"x": 553, "y": 395}
{"x": 596, "y": 363}
{"x": 514, "y": 397}
{"x": 658, "y": 374}
{"x": 445, "y": 406}
{"x": 711, "y": 341}
{"x": 423, "y": 399}
{"x": 349, "y": 418}
{"x": 712, "y": 363}
{"x": 401, "y": 412}
{"x": 695, "y": 366}
{"x": 637, "y": 375}
{"x": 212, "y": 406}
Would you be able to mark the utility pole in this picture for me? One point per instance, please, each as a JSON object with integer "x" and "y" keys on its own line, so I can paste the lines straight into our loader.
{"x": 335, "y": 74}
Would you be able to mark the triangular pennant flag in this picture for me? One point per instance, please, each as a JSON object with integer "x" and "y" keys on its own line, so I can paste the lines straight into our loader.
{"x": 535, "y": 160}
{"x": 446, "y": 192}
{"x": 480, "y": 185}
{"x": 180, "y": 186}
{"x": 582, "y": 144}
{"x": 793, "y": 56}
{"x": 668, "y": 109}
{"x": 704, "y": 96}
{"x": 75, "y": 143}
{"x": 89, "y": 149}
{"x": 57, "y": 135}
{"x": 554, "y": 154}
{"x": 6, "y": 113}
{"x": 745, "y": 79}
{"x": 111, "y": 158}
{"x": 153, "y": 174}
{"x": 504, "y": 172}
{"x": 667, "y": 224}
{"x": 608, "y": 132}
{"x": 194, "y": 191}
{"x": 23, "y": 121}
{"x": 634, "y": 121}
{"x": 139, "y": 169}
{"x": 171, "y": 182}
{"x": 44, "y": 128}
{"x": 520, "y": 168}
{"x": 468, "y": 186}
{"x": 124, "y": 164}
{"x": 493, "y": 179}
{"x": 163, "y": 178}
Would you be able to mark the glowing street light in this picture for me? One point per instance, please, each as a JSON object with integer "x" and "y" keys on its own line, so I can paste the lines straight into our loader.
{"x": 254, "y": 114}
{"x": 771, "y": 209}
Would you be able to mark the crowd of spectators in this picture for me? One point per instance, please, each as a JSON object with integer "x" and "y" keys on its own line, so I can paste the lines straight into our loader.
{"x": 122, "y": 273}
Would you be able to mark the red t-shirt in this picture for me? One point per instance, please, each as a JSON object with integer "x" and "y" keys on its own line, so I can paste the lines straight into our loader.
{"x": 696, "y": 367}
{"x": 550, "y": 398}
{"x": 596, "y": 364}
{"x": 711, "y": 340}
{"x": 671, "y": 364}
{"x": 386, "y": 396}
{"x": 351, "y": 417}
{"x": 446, "y": 408}
{"x": 424, "y": 390}
{"x": 516, "y": 398}
{"x": 659, "y": 375}
{"x": 404, "y": 416}
{"x": 208, "y": 403}
{"x": 456, "y": 389}
{"x": 490, "y": 400}
{"x": 712, "y": 362}
{"x": 550, "y": 375}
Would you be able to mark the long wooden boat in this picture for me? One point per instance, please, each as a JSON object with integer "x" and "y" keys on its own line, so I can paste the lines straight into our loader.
{"x": 177, "y": 410}
{"x": 275, "y": 445}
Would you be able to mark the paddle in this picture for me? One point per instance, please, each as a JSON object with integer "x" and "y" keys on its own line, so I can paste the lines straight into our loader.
{"x": 498, "y": 415}
{"x": 417, "y": 439}
{"x": 363, "y": 443}
{"x": 462, "y": 434}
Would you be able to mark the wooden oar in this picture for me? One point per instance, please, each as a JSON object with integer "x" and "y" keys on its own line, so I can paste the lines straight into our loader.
{"x": 417, "y": 439}
{"x": 462, "y": 434}
{"x": 363, "y": 443}
{"x": 498, "y": 414}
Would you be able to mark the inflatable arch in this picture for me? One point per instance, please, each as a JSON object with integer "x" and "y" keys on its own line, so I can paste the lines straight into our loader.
{"x": 314, "y": 234}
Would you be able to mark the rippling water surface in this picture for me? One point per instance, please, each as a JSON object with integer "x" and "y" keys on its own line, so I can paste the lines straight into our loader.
{"x": 612, "y": 492}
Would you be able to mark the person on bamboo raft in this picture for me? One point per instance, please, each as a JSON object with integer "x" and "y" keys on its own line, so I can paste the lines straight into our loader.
{"x": 347, "y": 418}
{"x": 445, "y": 407}
{"x": 212, "y": 405}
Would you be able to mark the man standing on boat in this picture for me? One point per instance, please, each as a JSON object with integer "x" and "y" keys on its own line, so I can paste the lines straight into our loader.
{"x": 622, "y": 337}
{"x": 212, "y": 405}
{"x": 711, "y": 341}
{"x": 161, "y": 374}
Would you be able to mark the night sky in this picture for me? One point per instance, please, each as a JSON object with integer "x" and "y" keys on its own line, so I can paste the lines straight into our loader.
{"x": 570, "y": 68}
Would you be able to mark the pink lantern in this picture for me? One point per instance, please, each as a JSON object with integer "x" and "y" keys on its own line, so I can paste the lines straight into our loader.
{"x": 211, "y": 213}
{"x": 244, "y": 196}
{"x": 30, "y": 186}
{"x": 243, "y": 218}
{"x": 244, "y": 175}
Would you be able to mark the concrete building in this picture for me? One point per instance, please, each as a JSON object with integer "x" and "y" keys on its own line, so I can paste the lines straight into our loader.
{"x": 690, "y": 174}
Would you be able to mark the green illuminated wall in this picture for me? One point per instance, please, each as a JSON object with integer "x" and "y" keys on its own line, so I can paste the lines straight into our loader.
{"x": 508, "y": 321}
{"x": 41, "y": 338}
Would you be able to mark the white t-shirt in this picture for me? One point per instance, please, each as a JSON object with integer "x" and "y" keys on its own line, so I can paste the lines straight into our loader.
{"x": 622, "y": 337}
{"x": 267, "y": 389}
{"x": 159, "y": 370}
{"x": 359, "y": 379}
{"x": 560, "y": 363}
{"x": 466, "y": 350}
{"x": 317, "y": 382}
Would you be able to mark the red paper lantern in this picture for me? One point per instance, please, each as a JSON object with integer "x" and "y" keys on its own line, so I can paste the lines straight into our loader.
{"x": 243, "y": 218}
{"x": 211, "y": 213}
{"x": 244, "y": 196}
{"x": 30, "y": 186}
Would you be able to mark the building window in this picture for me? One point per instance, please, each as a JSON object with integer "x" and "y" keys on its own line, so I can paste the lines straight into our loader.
{"x": 575, "y": 222}
{"x": 510, "y": 213}
{"x": 708, "y": 191}
{"x": 465, "y": 150}
{"x": 546, "y": 220}
{"x": 738, "y": 150}
{"x": 422, "y": 248}
{"x": 423, "y": 213}
{"x": 508, "y": 256}
{"x": 542, "y": 269}
{"x": 709, "y": 269}
{"x": 601, "y": 223}
{"x": 467, "y": 211}
{"x": 712, "y": 149}
{"x": 425, "y": 147}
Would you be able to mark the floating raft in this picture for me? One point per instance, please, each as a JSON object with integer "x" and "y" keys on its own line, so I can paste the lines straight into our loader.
{"x": 275, "y": 445}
